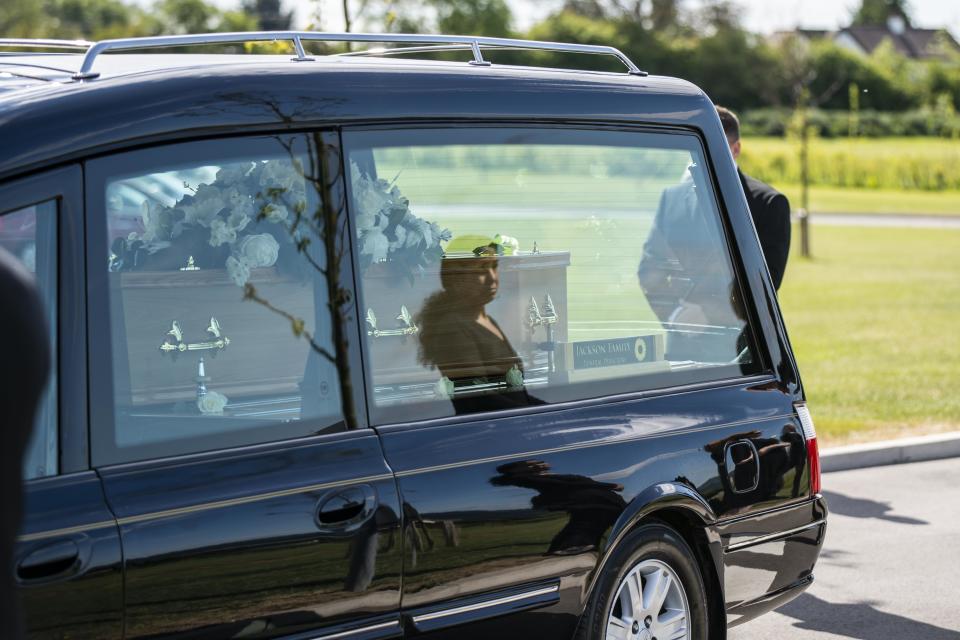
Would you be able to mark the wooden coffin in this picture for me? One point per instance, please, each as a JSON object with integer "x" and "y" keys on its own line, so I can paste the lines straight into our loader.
{"x": 249, "y": 351}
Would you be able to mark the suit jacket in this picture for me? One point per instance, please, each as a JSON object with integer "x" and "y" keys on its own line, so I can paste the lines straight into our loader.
{"x": 770, "y": 211}
{"x": 683, "y": 256}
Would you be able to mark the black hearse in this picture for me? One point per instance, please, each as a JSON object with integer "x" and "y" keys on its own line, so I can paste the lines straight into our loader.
{"x": 371, "y": 346}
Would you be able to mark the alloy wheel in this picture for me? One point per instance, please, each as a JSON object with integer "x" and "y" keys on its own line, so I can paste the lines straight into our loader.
{"x": 650, "y": 604}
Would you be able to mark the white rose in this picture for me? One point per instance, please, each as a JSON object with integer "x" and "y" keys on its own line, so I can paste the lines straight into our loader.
{"x": 370, "y": 201}
{"x": 278, "y": 174}
{"x": 238, "y": 270}
{"x": 401, "y": 238}
{"x": 221, "y": 233}
{"x": 240, "y": 206}
{"x": 259, "y": 250}
{"x": 207, "y": 202}
{"x": 443, "y": 388}
{"x": 365, "y": 222}
{"x": 376, "y": 245}
{"x": 426, "y": 230}
{"x": 149, "y": 221}
{"x": 277, "y": 213}
{"x": 231, "y": 174}
{"x": 212, "y": 403}
{"x": 514, "y": 377}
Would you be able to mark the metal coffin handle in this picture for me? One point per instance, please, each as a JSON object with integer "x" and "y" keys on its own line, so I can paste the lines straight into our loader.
{"x": 408, "y": 326}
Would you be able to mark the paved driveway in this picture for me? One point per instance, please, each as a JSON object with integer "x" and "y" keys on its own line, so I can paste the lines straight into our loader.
{"x": 890, "y": 567}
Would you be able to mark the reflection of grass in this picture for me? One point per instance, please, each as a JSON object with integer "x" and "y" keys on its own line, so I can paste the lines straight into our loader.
{"x": 522, "y": 188}
{"x": 873, "y": 324}
{"x": 601, "y": 281}
{"x": 496, "y": 545}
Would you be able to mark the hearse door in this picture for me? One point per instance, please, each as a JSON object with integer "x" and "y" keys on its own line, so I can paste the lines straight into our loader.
{"x": 246, "y": 506}
{"x": 67, "y": 561}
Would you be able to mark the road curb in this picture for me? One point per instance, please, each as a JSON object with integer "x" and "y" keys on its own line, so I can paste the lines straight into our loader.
{"x": 875, "y": 454}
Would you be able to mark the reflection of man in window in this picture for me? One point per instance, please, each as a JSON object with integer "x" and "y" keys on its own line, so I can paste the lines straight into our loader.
{"x": 686, "y": 276}
{"x": 460, "y": 339}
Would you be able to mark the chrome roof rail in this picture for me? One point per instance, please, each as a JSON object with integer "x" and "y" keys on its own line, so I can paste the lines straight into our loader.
{"x": 474, "y": 43}
{"x": 44, "y": 43}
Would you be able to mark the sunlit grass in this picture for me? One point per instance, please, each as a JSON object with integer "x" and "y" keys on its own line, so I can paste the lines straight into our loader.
{"x": 875, "y": 201}
{"x": 873, "y": 319}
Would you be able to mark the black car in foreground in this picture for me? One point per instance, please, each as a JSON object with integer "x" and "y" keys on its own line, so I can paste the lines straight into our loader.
{"x": 370, "y": 346}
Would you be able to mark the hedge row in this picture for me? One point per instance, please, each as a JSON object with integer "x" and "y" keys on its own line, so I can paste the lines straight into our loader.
{"x": 869, "y": 124}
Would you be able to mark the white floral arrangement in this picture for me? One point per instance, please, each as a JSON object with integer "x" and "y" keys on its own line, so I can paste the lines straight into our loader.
{"x": 225, "y": 214}
{"x": 388, "y": 231}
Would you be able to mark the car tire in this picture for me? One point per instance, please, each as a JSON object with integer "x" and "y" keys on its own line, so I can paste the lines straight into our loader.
{"x": 672, "y": 602}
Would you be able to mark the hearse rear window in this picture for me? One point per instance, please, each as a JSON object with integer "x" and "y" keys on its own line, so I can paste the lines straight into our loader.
{"x": 508, "y": 267}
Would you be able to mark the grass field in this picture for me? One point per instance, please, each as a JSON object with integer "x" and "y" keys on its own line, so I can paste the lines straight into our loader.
{"x": 771, "y": 159}
{"x": 875, "y": 201}
{"x": 873, "y": 321}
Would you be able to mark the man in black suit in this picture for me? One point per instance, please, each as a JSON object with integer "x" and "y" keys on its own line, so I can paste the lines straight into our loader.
{"x": 23, "y": 375}
{"x": 769, "y": 208}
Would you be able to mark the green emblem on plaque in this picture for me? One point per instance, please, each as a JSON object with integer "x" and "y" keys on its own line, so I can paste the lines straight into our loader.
{"x": 611, "y": 352}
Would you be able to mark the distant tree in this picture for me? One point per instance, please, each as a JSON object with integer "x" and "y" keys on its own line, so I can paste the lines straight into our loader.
{"x": 717, "y": 15}
{"x": 475, "y": 17}
{"x": 96, "y": 19}
{"x": 593, "y": 9}
{"x": 567, "y": 26}
{"x": 22, "y": 19}
{"x": 876, "y": 12}
{"x": 664, "y": 14}
{"x": 196, "y": 16}
{"x": 268, "y": 14}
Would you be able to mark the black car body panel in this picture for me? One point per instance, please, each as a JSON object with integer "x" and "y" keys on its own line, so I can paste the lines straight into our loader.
{"x": 237, "y": 538}
{"x": 499, "y": 521}
{"x": 69, "y": 553}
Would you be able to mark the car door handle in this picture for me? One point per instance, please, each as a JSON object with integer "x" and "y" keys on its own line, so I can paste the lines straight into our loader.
{"x": 742, "y": 462}
{"x": 60, "y": 559}
{"x": 346, "y": 509}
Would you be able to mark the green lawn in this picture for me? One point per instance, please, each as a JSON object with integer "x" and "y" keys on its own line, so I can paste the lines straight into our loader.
{"x": 877, "y": 201}
{"x": 873, "y": 321}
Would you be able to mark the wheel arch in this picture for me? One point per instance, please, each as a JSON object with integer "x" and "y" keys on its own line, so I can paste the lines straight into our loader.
{"x": 682, "y": 509}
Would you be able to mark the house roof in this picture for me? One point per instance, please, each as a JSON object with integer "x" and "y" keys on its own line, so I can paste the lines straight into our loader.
{"x": 911, "y": 42}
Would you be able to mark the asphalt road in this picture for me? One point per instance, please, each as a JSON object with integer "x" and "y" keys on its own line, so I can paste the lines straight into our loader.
{"x": 890, "y": 566}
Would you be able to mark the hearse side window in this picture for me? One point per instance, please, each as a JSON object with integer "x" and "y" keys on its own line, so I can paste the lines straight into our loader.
{"x": 30, "y": 234}
{"x": 209, "y": 275}
{"x": 507, "y": 267}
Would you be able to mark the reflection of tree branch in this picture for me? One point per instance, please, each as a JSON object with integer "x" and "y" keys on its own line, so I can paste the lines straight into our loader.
{"x": 296, "y": 324}
{"x": 328, "y": 222}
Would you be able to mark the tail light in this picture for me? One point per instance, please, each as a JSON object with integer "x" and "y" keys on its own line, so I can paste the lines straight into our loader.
{"x": 813, "y": 453}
